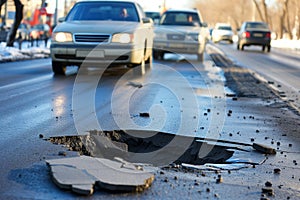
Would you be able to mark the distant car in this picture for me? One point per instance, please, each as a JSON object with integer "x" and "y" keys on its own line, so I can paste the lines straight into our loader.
{"x": 40, "y": 32}
{"x": 222, "y": 32}
{"x": 155, "y": 16}
{"x": 118, "y": 31}
{"x": 254, "y": 33}
{"x": 23, "y": 31}
{"x": 180, "y": 31}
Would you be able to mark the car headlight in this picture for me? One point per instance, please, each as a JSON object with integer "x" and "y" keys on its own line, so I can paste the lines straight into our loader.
{"x": 123, "y": 38}
{"x": 62, "y": 37}
{"x": 160, "y": 35}
{"x": 194, "y": 36}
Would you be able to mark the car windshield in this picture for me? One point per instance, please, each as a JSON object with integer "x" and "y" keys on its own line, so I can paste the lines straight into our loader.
{"x": 257, "y": 25}
{"x": 226, "y": 28}
{"x": 153, "y": 15}
{"x": 180, "y": 19}
{"x": 113, "y": 11}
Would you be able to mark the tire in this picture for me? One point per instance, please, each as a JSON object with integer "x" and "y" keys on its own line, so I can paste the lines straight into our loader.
{"x": 263, "y": 48}
{"x": 158, "y": 55}
{"x": 58, "y": 68}
{"x": 149, "y": 63}
{"x": 242, "y": 47}
{"x": 269, "y": 48}
{"x": 139, "y": 69}
{"x": 200, "y": 57}
{"x": 155, "y": 54}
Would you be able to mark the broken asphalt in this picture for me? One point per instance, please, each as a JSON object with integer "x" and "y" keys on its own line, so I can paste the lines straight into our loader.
{"x": 252, "y": 113}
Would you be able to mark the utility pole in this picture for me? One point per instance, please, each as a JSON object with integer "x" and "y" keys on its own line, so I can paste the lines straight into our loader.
{"x": 5, "y": 14}
{"x": 56, "y": 12}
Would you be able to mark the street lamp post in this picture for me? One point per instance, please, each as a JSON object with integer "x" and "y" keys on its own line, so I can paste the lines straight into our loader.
{"x": 56, "y": 12}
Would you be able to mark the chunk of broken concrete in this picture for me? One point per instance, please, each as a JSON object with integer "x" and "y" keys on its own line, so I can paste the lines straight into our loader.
{"x": 80, "y": 174}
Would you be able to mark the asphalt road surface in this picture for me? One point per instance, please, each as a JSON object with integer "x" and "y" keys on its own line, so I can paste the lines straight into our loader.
{"x": 280, "y": 67}
{"x": 181, "y": 97}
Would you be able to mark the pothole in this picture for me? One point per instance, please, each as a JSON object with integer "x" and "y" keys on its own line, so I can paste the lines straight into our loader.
{"x": 117, "y": 143}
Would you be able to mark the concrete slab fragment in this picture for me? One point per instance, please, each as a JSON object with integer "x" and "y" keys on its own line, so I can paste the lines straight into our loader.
{"x": 80, "y": 174}
{"x": 71, "y": 178}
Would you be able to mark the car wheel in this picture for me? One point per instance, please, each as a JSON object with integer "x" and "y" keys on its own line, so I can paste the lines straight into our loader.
{"x": 263, "y": 48}
{"x": 58, "y": 68}
{"x": 269, "y": 48}
{"x": 242, "y": 47}
{"x": 140, "y": 69}
{"x": 158, "y": 55}
{"x": 200, "y": 57}
{"x": 155, "y": 54}
{"x": 149, "y": 63}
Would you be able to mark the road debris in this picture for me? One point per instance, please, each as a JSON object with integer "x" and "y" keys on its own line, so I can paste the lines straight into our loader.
{"x": 144, "y": 115}
{"x": 135, "y": 84}
{"x": 82, "y": 174}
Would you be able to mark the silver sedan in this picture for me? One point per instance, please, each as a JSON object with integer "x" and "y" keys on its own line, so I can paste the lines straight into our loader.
{"x": 103, "y": 32}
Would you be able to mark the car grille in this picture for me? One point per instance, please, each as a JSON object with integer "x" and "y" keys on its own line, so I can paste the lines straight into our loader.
{"x": 87, "y": 38}
{"x": 175, "y": 37}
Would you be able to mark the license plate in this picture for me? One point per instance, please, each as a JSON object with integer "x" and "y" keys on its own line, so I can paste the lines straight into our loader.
{"x": 258, "y": 35}
{"x": 172, "y": 45}
{"x": 91, "y": 54}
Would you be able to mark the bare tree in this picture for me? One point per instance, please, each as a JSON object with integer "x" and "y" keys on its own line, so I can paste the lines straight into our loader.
{"x": 18, "y": 18}
{"x": 233, "y": 12}
{"x": 258, "y": 10}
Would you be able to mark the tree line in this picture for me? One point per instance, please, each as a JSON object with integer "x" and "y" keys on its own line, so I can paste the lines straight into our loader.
{"x": 283, "y": 16}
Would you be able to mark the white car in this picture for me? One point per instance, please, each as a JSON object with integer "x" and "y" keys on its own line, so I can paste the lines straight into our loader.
{"x": 222, "y": 32}
{"x": 103, "y": 32}
{"x": 180, "y": 31}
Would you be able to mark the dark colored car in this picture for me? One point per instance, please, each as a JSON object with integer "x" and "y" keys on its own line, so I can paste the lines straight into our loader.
{"x": 254, "y": 33}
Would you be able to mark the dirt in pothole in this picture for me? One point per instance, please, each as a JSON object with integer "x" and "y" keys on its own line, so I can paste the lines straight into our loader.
{"x": 110, "y": 144}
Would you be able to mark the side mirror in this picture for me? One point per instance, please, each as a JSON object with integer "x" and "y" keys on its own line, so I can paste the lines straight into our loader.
{"x": 62, "y": 19}
{"x": 147, "y": 20}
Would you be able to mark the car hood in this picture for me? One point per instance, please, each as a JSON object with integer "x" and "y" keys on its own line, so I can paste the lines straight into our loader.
{"x": 223, "y": 32}
{"x": 178, "y": 29}
{"x": 106, "y": 27}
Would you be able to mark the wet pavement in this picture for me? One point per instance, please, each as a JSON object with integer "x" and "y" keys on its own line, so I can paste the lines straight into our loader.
{"x": 213, "y": 111}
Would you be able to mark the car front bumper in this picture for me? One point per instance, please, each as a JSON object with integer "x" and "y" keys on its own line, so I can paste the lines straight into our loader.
{"x": 96, "y": 54}
{"x": 178, "y": 47}
{"x": 224, "y": 37}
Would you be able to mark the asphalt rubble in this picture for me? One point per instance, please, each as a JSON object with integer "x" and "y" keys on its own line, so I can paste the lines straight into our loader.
{"x": 234, "y": 171}
{"x": 264, "y": 168}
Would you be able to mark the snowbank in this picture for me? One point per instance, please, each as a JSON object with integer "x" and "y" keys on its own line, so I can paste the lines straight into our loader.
{"x": 286, "y": 44}
{"x": 27, "y": 52}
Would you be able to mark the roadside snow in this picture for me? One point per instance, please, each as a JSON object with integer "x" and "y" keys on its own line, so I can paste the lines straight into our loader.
{"x": 43, "y": 51}
{"x": 27, "y": 52}
{"x": 286, "y": 44}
